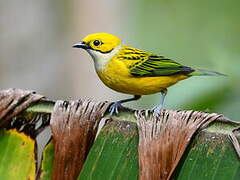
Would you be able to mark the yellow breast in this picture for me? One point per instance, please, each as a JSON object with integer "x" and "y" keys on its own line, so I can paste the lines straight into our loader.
{"x": 116, "y": 76}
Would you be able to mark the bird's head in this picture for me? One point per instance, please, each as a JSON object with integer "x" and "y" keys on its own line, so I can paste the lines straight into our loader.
{"x": 101, "y": 42}
{"x": 101, "y": 46}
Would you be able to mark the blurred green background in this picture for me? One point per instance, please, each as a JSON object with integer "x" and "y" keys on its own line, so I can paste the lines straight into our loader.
{"x": 36, "y": 39}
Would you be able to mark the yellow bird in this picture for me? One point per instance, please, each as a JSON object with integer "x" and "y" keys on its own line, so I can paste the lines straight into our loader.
{"x": 133, "y": 71}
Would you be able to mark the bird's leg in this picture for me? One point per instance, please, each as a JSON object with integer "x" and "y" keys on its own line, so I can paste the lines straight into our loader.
{"x": 157, "y": 109}
{"x": 114, "y": 107}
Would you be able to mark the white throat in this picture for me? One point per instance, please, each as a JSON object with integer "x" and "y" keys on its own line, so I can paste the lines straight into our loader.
{"x": 101, "y": 59}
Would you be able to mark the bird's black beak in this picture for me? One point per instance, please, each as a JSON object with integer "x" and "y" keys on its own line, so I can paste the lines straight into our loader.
{"x": 82, "y": 45}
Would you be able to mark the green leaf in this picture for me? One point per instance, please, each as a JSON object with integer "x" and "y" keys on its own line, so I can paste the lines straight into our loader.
{"x": 43, "y": 106}
{"x": 210, "y": 156}
{"x": 47, "y": 162}
{"x": 17, "y": 160}
{"x": 114, "y": 153}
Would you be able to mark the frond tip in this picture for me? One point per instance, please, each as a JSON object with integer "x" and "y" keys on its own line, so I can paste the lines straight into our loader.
{"x": 234, "y": 140}
{"x": 164, "y": 138}
{"x": 74, "y": 127}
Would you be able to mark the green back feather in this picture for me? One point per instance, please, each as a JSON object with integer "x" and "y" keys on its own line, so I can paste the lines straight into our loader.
{"x": 147, "y": 64}
{"x": 144, "y": 64}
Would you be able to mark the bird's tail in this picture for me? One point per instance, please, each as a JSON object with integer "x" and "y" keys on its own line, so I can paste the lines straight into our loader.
{"x": 202, "y": 72}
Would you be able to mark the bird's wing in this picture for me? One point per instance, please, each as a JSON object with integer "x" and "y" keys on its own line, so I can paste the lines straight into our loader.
{"x": 154, "y": 65}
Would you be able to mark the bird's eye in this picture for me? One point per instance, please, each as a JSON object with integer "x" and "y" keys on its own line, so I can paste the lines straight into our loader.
{"x": 96, "y": 43}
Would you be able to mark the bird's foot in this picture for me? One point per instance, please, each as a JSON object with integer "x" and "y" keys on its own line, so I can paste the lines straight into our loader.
{"x": 157, "y": 109}
{"x": 114, "y": 107}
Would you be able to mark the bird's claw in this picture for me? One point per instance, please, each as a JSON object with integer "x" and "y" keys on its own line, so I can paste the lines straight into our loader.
{"x": 157, "y": 109}
{"x": 114, "y": 108}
